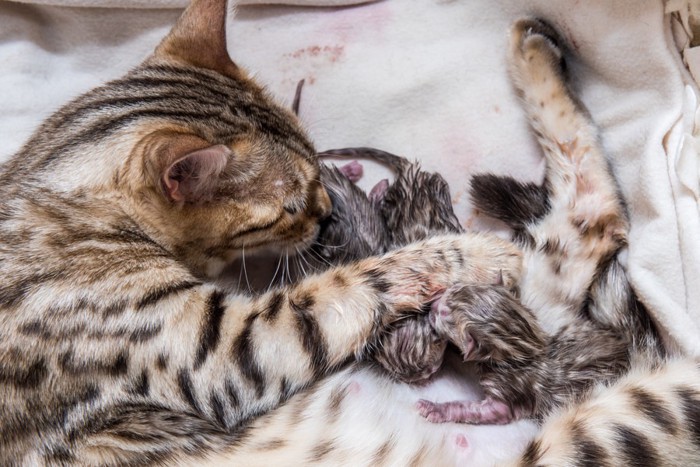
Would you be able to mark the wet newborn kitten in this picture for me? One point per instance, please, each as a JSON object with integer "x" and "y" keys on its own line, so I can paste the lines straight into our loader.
{"x": 416, "y": 206}
{"x": 524, "y": 371}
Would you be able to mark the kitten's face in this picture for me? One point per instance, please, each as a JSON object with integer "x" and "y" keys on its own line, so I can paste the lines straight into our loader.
{"x": 193, "y": 150}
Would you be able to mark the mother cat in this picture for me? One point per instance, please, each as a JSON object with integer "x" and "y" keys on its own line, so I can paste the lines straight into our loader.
{"x": 115, "y": 349}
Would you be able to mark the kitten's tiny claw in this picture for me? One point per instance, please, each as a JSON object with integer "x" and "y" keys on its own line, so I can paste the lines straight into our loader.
{"x": 431, "y": 411}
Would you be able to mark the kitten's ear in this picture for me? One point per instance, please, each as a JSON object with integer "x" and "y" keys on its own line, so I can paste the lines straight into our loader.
{"x": 194, "y": 176}
{"x": 199, "y": 38}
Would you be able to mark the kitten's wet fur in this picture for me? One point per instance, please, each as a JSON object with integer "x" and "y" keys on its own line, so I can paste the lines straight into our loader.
{"x": 415, "y": 206}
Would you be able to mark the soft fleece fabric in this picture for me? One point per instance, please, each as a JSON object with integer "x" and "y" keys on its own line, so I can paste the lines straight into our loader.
{"x": 425, "y": 79}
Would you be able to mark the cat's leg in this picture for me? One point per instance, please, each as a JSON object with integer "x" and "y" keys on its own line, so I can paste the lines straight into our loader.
{"x": 267, "y": 348}
{"x": 583, "y": 223}
{"x": 578, "y": 174}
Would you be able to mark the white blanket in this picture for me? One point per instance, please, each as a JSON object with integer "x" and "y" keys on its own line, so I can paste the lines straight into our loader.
{"x": 425, "y": 79}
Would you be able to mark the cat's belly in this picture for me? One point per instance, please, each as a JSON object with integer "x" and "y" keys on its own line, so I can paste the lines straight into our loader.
{"x": 358, "y": 417}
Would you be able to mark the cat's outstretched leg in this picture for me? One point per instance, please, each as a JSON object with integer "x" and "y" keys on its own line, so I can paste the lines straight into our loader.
{"x": 575, "y": 222}
{"x": 578, "y": 175}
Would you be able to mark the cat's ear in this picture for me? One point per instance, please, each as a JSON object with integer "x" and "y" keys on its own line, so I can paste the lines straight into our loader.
{"x": 199, "y": 38}
{"x": 194, "y": 176}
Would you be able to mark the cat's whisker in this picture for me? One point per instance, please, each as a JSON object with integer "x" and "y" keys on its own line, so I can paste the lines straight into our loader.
{"x": 284, "y": 269}
{"x": 286, "y": 276}
{"x": 240, "y": 276}
{"x": 320, "y": 258}
{"x": 300, "y": 266}
{"x": 303, "y": 258}
{"x": 274, "y": 276}
{"x": 245, "y": 271}
{"x": 333, "y": 246}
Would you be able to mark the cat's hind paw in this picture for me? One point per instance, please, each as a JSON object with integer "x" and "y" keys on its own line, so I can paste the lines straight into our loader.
{"x": 536, "y": 60}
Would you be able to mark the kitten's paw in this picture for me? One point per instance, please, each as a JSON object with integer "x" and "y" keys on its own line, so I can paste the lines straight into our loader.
{"x": 433, "y": 411}
{"x": 484, "y": 412}
{"x": 448, "y": 322}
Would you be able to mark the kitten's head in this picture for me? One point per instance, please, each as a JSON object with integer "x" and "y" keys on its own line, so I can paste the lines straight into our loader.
{"x": 191, "y": 148}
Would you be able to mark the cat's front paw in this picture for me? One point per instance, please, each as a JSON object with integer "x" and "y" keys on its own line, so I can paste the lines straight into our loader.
{"x": 414, "y": 275}
{"x": 489, "y": 260}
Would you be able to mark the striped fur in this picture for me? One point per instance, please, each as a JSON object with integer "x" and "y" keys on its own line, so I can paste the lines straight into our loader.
{"x": 116, "y": 348}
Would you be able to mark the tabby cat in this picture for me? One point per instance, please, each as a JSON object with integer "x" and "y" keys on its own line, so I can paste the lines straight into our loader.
{"x": 116, "y": 348}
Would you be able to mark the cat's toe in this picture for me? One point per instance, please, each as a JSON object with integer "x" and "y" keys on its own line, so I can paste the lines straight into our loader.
{"x": 531, "y": 26}
{"x": 535, "y": 47}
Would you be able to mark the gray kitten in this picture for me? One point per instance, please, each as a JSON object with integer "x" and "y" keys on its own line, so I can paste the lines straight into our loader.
{"x": 416, "y": 206}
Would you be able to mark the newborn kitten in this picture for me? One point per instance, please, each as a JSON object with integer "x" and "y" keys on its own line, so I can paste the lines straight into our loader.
{"x": 524, "y": 372}
{"x": 355, "y": 229}
{"x": 416, "y": 206}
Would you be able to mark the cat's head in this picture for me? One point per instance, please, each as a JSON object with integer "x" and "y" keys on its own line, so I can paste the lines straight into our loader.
{"x": 192, "y": 149}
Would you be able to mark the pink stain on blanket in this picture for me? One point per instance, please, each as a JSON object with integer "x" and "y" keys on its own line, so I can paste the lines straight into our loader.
{"x": 332, "y": 53}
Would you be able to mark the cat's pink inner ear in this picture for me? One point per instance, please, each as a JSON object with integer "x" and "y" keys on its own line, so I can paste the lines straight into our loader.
{"x": 194, "y": 177}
